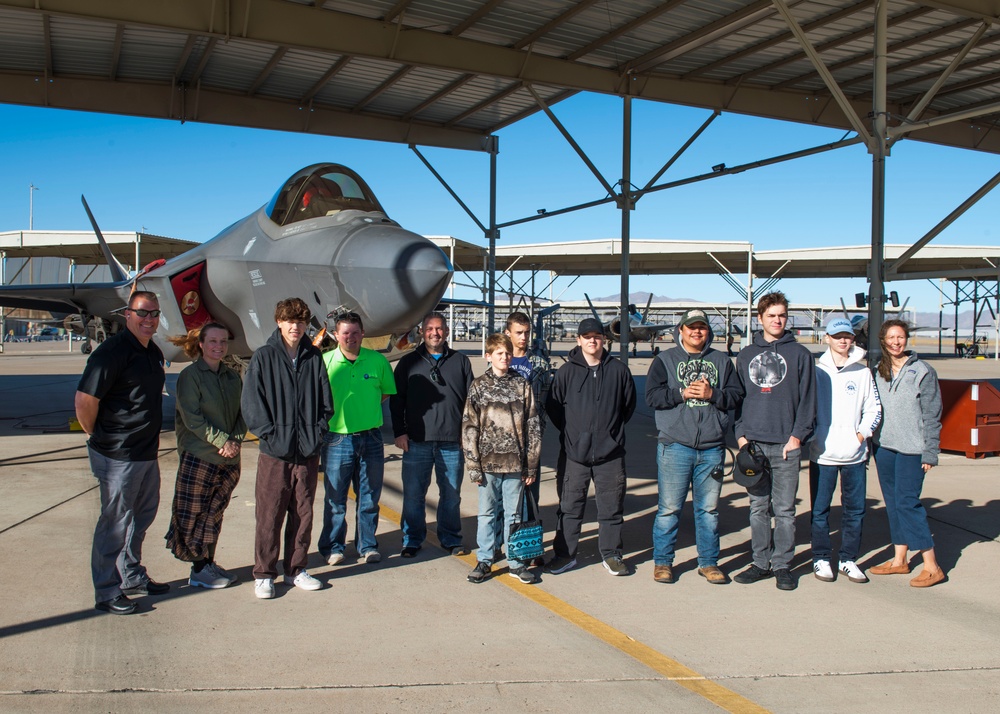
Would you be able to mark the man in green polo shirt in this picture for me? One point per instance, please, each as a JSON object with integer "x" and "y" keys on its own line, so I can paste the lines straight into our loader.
{"x": 353, "y": 454}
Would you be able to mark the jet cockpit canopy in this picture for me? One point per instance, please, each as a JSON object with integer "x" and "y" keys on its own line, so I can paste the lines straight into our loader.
{"x": 321, "y": 190}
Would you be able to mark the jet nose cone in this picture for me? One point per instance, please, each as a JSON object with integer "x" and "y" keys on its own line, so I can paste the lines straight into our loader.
{"x": 394, "y": 276}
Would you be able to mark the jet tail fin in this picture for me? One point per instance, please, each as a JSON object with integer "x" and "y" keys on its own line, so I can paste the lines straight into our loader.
{"x": 593, "y": 310}
{"x": 118, "y": 273}
{"x": 645, "y": 313}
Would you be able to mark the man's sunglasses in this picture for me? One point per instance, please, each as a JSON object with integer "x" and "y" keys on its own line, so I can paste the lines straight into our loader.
{"x": 435, "y": 375}
{"x": 145, "y": 313}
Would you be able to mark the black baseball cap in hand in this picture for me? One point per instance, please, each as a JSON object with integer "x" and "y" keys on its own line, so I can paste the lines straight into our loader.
{"x": 751, "y": 465}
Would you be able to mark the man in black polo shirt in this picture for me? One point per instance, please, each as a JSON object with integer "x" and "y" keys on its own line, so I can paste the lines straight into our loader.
{"x": 119, "y": 404}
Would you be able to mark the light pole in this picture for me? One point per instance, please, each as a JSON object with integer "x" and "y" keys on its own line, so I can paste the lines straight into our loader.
{"x": 31, "y": 205}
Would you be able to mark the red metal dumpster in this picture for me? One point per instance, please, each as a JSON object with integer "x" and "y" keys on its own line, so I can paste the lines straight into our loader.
{"x": 970, "y": 418}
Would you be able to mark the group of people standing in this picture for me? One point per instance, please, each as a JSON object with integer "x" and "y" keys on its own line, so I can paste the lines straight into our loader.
{"x": 314, "y": 411}
{"x": 782, "y": 403}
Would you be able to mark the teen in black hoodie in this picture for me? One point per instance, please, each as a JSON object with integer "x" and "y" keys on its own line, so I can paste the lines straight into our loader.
{"x": 591, "y": 399}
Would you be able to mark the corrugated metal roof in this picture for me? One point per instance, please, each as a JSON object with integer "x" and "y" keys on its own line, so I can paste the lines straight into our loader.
{"x": 450, "y": 72}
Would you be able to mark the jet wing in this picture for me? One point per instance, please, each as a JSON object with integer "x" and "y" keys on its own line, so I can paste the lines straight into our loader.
{"x": 641, "y": 333}
{"x": 101, "y": 299}
{"x": 462, "y": 302}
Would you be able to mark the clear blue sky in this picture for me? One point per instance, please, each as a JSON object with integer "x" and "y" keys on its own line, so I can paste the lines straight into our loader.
{"x": 192, "y": 180}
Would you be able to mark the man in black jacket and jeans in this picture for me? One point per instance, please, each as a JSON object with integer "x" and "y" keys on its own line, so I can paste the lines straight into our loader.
{"x": 286, "y": 402}
{"x": 591, "y": 399}
{"x": 432, "y": 383}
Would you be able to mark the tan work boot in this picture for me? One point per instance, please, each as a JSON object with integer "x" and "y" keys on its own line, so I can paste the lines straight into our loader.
{"x": 663, "y": 574}
{"x": 713, "y": 575}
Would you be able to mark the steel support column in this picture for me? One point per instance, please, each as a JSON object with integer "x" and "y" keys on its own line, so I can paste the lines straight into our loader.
{"x": 876, "y": 268}
{"x": 3, "y": 314}
{"x": 625, "y": 204}
{"x": 747, "y": 334}
{"x": 493, "y": 233}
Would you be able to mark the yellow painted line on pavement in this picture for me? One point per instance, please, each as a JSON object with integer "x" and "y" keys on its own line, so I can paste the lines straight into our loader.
{"x": 673, "y": 670}
{"x": 658, "y": 662}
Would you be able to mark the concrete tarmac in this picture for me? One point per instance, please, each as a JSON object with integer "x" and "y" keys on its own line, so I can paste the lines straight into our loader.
{"x": 414, "y": 635}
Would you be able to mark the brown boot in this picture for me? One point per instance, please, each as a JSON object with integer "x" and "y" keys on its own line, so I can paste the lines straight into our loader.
{"x": 713, "y": 574}
{"x": 663, "y": 574}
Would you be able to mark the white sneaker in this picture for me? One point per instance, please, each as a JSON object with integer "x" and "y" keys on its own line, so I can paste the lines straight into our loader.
{"x": 371, "y": 556}
{"x": 823, "y": 571}
{"x": 853, "y": 572}
{"x": 263, "y": 588}
{"x": 336, "y": 558}
{"x": 303, "y": 581}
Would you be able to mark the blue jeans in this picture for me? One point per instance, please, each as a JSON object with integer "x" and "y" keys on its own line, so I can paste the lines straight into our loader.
{"x": 499, "y": 488}
{"x": 774, "y": 496}
{"x": 447, "y": 460}
{"x": 358, "y": 460}
{"x": 822, "y": 483}
{"x": 901, "y": 477}
{"x": 679, "y": 469}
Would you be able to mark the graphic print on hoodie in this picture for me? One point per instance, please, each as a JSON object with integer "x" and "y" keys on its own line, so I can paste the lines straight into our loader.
{"x": 690, "y": 372}
{"x": 767, "y": 370}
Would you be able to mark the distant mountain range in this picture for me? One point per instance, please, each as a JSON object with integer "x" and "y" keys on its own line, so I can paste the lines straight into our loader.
{"x": 641, "y": 298}
{"x": 923, "y": 319}
{"x": 930, "y": 319}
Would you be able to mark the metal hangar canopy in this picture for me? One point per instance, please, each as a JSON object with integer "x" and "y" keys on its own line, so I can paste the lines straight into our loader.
{"x": 452, "y": 72}
{"x": 671, "y": 257}
{"x": 82, "y": 246}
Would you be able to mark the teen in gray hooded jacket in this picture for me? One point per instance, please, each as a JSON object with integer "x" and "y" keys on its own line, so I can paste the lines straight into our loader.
{"x": 906, "y": 448}
{"x": 692, "y": 387}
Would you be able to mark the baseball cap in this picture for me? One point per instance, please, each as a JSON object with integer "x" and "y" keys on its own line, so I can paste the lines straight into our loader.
{"x": 839, "y": 325}
{"x": 692, "y": 316}
{"x": 590, "y": 324}
{"x": 751, "y": 465}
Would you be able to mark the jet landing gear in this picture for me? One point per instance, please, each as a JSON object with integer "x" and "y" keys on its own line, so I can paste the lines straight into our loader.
{"x": 86, "y": 348}
{"x": 101, "y": 327}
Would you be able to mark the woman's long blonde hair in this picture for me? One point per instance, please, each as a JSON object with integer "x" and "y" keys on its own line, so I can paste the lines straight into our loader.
{"x": 191, "y": 342}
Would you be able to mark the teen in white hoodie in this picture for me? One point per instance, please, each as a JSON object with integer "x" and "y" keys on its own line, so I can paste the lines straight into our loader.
{"x": 847, "y": 413}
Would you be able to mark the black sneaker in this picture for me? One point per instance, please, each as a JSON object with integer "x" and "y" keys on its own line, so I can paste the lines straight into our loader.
{"x": 481, "y": 573}
{"x": 752, "y": 575}
{"x": 560, "y": 564}
{"x": 458, "y": 550}
{"x": 615, "y": 565}
{"x": 784, "y": 579}
{"x": 524, "y": 575}
{"x": 120, "y": 605}
{"x": 409, "y": 552}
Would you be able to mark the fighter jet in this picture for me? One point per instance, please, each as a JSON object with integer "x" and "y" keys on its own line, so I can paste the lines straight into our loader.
{"x": 323, "y": 237}
{"x": 638, "y": 329}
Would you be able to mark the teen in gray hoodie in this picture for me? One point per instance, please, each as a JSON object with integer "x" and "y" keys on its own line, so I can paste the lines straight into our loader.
{"x": 906, "y": 448}
{"x": 692, "y": 387}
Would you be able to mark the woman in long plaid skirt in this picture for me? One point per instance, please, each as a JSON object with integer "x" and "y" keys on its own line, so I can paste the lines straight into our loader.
{"x": 210, "y": 430}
